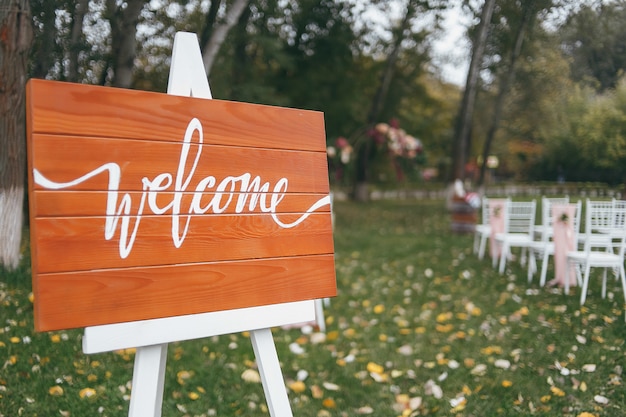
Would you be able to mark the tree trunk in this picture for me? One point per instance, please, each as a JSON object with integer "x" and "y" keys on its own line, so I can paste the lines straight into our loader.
{"x": 218, "y": 34}
{"x": 241, "y": 59}
{"x": 16, "y": 34}
{"x": 505, "y": 85}
{"x": 209, "y": 22}
{"x": 123, "y": 21}
{"x": 45, "y": 47}
{"x": 75, "y": 38}
{"x": 466, "y": 112}
{"x": 360, "y": 192}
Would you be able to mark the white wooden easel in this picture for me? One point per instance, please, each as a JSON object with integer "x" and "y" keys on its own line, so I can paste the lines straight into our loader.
{"x": 151, "y": 337}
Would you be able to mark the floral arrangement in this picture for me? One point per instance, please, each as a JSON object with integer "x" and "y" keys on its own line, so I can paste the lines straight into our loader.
{"x": 345, "y": 150}
{"x": 394, "y": 150}
{"x": 404, "y": 150}
{"x": 339, "y": 156}
{"x": 399, "y": 143}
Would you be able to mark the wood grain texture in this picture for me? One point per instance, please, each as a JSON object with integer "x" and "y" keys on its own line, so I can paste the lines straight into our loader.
{"x": 147, "y": 205}
{"x": 307, "y": 170}
{"x": 116, "y": 296}
{"x": 90, "y": 203}
{"x": 69, "y": 244}
{"x": 83, "y": 110}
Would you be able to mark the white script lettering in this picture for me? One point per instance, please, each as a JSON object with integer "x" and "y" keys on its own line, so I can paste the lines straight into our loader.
{"x": 249, "y": 193}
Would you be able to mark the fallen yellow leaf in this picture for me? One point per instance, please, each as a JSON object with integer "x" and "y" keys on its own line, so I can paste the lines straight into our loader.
{"x": 329, "y": 403}
{"x": 444, "y": 328}
{"x": 317, "y": 392}
{"x": 375, "y": 368}
{"x": 182, "y": 376}
{"x": 87, "y": 393}
{"x": 297, "y": 387}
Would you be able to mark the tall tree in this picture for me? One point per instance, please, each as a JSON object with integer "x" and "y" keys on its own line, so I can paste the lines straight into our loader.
{"x": 506, "y": 81}
{"x": 361, "y": 192}
{"x": 16, "y": 34}
{"x": 403, "y": 34}
{"x": 123, "y": 18}
{"x": 214, "y": 33}
{"x": 466, "y": 111}
{"x": 517, "y": 20}
{"x": 76, "y": 36}
{"x": 45, "y": 47}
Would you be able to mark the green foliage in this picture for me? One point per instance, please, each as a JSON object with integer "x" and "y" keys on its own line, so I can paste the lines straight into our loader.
{"x": 594, "y": 37}
{"x": 591, "y": 145}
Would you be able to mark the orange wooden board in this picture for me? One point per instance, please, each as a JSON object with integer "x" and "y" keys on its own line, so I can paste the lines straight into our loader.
{"x": 147, "y": 205}
{"x": 210, "y": 239}
{"x": 308, "y": 170}
{"x": 120, "y": 113}
{"x": 116, "y": 296}
{"x": 90, "y": 203}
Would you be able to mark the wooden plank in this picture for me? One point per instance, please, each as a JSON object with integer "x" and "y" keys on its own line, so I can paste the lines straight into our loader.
{"x": 148, "y": 159}
{"x": 78, "y": 243}
{"x": 113, "y": 296}
{"x": 90, "y": 203}
{"x": 84, "y": 110}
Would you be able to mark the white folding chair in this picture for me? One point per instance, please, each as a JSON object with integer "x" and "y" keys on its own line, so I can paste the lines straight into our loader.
{"x": 599, "y": 221}
{"x": 619, "y": 217}
{"x": 519, "y": 223}
{"x": 598, "y": 248}
{"x": 544, "y": 247}
{"x": 546, "y": 214}
{"x": 482, "y": 230}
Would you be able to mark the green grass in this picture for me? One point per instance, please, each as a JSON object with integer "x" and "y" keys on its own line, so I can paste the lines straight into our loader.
{"x": 417, "y": 317}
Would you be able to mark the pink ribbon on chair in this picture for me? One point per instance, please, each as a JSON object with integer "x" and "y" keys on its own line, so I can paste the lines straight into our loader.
{"x": 564, "y": 241}
{"x": 497, "y": 212}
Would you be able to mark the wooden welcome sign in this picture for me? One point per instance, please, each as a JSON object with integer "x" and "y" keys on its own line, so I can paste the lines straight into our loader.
{"x": 147, "y": 205}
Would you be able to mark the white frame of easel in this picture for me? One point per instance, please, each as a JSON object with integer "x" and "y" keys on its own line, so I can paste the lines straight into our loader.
{"x": 151, "y": 337}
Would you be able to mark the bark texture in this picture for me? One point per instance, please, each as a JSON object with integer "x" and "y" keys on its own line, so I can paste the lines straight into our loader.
{"x": 466, "y": 113}
{"x": 123, "y": 20}
{"x": 76, "y": 37}
{"x": 217, "y": 35}
{"x": 505, "y": 85}
{"x": 16, "y": 33}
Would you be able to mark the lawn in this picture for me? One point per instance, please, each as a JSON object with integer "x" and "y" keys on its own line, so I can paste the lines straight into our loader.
{"x": 420, "y": 326}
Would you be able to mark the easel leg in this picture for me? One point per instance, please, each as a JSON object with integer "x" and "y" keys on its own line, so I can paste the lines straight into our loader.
{"x": 146, "y": 399}
{"x": 319, "y": 315}
{"x": 271, "y": 375}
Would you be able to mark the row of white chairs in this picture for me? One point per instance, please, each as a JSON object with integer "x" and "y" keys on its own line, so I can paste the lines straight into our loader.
{"x": 601, "y": 245}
